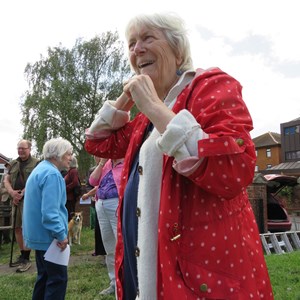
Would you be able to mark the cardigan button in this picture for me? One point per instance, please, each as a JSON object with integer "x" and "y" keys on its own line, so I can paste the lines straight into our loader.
{"x": 137, "y": 252}
{"x": 203, "y": 287}
{"x": 140, "y": 170}
{"x": 240, "y": 142}
{"x": 138, "y": 212}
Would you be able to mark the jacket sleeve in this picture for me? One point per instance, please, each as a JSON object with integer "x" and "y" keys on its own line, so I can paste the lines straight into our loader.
{"x": 113, "y": 142}
{"x": 224, "y": 160}
{"x": 52, "y": 193}
{"x": 95, "y": 181}
{"x": 109, "y": 119}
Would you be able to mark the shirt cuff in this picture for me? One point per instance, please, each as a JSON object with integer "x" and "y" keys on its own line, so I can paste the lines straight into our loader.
{"x": 187, "y": 166}
{"x": 181, "y": 137}
{"x": 108, "y": 119}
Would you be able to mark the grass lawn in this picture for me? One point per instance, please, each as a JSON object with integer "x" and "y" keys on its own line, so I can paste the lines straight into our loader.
{"x": 88, "y": 276}
{"x": 284, "y": 270}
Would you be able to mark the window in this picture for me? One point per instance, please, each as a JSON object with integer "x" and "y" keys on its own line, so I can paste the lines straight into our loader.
{"x": 292, "y": 155}
{"x": 268, "y": 152}
{"x": 256, "y": 169}
{"x": 286, "y": 131}
{"x": 291, "y": 130}
{"x": 269, "y": 166}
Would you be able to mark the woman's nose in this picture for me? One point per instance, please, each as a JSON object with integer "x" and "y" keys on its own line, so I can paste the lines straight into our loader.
{"x": 139, "y": 48}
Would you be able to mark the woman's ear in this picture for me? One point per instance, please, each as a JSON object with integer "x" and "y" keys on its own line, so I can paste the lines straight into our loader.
{"x": 179, "y": 60}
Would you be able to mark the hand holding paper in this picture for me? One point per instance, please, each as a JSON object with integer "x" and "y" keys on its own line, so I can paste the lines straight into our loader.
{"x": 55, "y": 255}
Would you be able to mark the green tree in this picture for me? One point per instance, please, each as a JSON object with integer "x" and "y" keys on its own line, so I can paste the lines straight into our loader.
{"x": 67, "y": 88}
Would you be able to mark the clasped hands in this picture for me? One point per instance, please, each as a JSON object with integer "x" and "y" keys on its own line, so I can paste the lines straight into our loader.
{"x": 17, "y": 195}
{"x": 138, "y": 90}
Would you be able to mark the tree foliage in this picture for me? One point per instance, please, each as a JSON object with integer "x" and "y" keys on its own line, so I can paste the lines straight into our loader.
{"x": 67, "y": 88}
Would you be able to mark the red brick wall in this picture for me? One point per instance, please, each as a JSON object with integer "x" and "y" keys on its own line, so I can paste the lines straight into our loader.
{"x": 85, "y": 208}
{"x": 257, "y": 194}
{"x": 262, "y": 161}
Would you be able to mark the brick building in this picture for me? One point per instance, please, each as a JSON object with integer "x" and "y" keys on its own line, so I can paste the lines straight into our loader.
{"x": 290, "y": 150}
{"x": 268, "y": 151}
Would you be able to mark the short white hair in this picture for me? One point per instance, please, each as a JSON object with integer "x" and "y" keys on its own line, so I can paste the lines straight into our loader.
{"x": 56, "y": 148}
{"x": 173, "y": 27}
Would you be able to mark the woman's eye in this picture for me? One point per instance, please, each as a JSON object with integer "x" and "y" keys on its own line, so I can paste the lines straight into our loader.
{"x": 148, "y": 37}
{"x": 131, "y": 46}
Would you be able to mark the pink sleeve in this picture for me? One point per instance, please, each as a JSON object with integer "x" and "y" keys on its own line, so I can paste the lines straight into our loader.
{"x": 93, "y": 181}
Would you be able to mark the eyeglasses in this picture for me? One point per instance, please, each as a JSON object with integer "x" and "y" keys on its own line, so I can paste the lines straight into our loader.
{"x": 22, "y": 149}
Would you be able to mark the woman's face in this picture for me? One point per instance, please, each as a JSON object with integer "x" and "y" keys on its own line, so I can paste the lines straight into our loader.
{"x": 64, "y": 163}
{"x": 150, "y": 54}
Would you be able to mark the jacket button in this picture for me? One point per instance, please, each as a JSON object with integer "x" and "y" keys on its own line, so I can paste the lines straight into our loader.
{"x": 203, "y": 287}
{"x": 240, "y": 142}
{"x": 140, "y": 170}
{"x": 137, "y": 252}
{"x": 138, "y": 212}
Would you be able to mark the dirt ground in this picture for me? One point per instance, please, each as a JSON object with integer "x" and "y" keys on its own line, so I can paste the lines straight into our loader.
{"x": 74, "y": 259}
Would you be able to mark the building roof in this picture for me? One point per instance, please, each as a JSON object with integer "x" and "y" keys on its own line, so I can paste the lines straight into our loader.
{"x": 287, "y": 168}
{"x": 4, "y": 159}
{"x": 297, "y": 119}
{"x": 267, "y": 139}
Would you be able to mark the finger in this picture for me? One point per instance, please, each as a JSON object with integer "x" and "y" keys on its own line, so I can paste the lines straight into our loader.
{"x": 129, "y": 96}
{"x": 125, "y": 82}
{"x": 126, "y": 90}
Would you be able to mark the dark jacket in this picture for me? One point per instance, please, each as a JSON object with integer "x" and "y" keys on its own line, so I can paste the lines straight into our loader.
{"x": 72, "y": 181}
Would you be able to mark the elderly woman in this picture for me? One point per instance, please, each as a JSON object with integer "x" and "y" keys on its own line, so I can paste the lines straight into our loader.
{"x": 184, "y": 182}
{"x": 45, "y": 217}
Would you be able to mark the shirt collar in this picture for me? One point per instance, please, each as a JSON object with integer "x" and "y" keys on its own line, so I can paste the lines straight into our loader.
{"x": 183, "y": 81}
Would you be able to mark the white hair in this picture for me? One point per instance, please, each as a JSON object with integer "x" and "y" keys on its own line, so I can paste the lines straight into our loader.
{"x": 56, "y": 148}
{"x": 73, "y": 163}
{"x": 174, "y": 30}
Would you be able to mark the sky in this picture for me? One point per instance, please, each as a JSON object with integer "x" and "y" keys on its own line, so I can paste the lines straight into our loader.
{"x": 255, "y": 41}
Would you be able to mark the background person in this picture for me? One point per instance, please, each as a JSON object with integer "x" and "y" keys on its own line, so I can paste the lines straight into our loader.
{"x": 185, "y": 183}
{"x": 14, "y": 183}
{"x": 91, "y": 192}
{"x": 6, "y": 204}
{"x": 107, "y": 176}
{"x": 46, "y": 218}
{"x": 72, "y": 181}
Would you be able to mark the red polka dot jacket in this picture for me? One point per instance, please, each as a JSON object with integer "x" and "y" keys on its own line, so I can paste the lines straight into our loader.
{"x": 208, "y": 243}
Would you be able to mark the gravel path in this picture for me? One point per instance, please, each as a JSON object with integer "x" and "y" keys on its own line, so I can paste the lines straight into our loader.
{"x": 74, "y": 259}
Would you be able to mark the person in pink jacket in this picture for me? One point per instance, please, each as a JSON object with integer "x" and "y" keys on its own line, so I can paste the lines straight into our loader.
{"x": 186, "y": 229}
{"x": 107, "y": 177}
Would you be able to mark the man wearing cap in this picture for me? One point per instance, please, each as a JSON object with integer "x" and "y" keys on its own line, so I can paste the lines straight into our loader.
{"x": 15, "y": 184}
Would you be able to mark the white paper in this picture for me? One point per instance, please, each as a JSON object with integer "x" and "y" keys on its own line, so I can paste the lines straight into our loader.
{"x": 87, "y": 201}
{"x": 55, "y": 255}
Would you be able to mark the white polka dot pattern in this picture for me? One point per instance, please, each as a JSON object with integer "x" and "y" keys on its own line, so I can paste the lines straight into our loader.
{"x": 217, "y": 254}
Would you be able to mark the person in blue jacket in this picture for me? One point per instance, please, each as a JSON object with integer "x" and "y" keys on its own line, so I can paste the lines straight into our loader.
{"x": 45, "y": 217}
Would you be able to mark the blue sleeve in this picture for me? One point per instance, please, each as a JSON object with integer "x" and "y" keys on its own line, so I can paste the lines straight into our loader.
{"x": 53, "y": 206}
